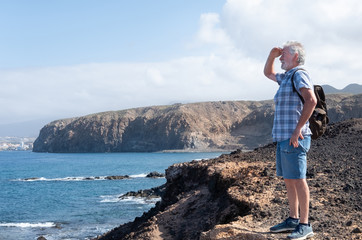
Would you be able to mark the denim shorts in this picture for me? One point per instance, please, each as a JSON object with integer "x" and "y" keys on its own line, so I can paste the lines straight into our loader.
{"x": 291, "y": 163}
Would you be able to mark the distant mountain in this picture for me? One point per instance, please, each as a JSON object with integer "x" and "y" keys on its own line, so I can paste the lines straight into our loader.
{"x": 353, "y": 88}
{"x": 23, "y": 129}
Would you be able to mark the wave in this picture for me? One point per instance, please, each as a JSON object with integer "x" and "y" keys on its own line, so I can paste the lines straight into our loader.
{"x": 140, "y": 200}
{"x": 110, "y": 198}
{"x": 142, "y": 175}
{"x": 91, "y": 178}
{"x": 65, "y": 179}
{"x": 29, "y": 225}
{"x": 128, "y": 199}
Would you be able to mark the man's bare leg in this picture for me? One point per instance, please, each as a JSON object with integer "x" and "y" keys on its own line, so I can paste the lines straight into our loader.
{"x": 298, "y": 197}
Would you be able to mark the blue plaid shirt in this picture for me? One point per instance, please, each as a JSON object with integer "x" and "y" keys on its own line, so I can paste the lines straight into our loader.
{"x": 288, "y": 106}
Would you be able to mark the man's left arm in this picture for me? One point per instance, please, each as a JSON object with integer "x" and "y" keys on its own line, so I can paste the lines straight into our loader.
{"x": 310, "y": 101}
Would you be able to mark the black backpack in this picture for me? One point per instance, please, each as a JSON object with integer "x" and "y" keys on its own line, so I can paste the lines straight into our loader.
{"x": 319, "y": 119}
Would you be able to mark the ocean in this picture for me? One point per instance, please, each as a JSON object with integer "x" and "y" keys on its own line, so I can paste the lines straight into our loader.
{"x": 66, "y": 196}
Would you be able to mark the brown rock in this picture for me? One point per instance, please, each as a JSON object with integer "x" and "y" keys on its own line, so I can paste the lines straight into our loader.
{"x": 116, "y": 177}
{"x": 148, "y": 193}
{"x": 155, "y": 175}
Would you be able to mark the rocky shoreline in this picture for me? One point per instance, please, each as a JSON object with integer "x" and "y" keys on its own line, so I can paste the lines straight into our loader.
{"x": 238, "y": 196}
{"x": 156, "y": 192}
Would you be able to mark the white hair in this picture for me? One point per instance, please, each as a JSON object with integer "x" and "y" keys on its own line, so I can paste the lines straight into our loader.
{"x": 296, "y": 47}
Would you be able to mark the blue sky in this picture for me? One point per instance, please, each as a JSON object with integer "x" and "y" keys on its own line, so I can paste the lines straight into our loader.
{"x": 70, "y": 58}
{"x": 51, "y": 33}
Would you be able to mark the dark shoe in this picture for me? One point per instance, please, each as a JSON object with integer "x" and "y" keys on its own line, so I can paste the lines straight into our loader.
{"x": 288, "y": 225}
{"x": 302, "y": 232}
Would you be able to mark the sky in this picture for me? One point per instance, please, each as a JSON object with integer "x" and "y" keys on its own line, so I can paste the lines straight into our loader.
{"x": 61, "y": 59}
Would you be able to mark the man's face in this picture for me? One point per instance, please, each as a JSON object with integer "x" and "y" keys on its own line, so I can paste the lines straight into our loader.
{"x": 287, "y": 59}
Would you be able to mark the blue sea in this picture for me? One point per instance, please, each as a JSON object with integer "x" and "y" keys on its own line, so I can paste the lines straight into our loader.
{"x": 66, "y": 196}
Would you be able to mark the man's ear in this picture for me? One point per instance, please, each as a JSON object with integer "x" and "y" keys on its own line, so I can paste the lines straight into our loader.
{"x": 295, "y": 57}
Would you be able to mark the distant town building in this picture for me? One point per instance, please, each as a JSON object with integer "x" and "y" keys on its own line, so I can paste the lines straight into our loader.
{"x": 16, "y": 144}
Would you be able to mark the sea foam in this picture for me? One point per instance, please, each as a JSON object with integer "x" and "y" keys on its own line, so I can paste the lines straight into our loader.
{"x": 65, "y": 179}
{"x": 69, "y": 179}
{"x": 29, "y": 225}
{"x": 128, "y": 199}
{"x": 142, "y": 175}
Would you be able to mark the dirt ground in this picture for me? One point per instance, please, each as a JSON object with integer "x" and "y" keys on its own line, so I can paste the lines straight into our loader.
{"x": 238, "y": 196}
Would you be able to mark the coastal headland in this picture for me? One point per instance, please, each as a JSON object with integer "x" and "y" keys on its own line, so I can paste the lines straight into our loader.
{"x": 206, "y": 126}
{"x": 238, "y": 196}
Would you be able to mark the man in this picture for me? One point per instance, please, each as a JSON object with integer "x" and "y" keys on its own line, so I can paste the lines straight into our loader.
{"x": 292, "y": 134}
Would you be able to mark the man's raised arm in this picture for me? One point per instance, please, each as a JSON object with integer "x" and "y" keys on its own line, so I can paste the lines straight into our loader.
{"x": 269, "y": 71}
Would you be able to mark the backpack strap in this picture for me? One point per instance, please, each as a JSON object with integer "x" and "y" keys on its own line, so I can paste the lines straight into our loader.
{"x": 294, "y": 89}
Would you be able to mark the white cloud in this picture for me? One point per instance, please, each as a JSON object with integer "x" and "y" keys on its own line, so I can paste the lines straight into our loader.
{"x": 155, "y": 76}
{"x": 330, "y": 31}
{"x": 210, "y": 31}
{"x": 83, "y": 89}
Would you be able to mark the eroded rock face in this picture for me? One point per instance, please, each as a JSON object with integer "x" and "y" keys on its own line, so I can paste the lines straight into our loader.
{"x": 238, "y": 196}
{"x": 198, "y": 126}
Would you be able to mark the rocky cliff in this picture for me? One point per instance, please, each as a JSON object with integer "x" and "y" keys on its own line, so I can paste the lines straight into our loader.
{"x": 238, "y": 196}
{"x": 197, "y": 126}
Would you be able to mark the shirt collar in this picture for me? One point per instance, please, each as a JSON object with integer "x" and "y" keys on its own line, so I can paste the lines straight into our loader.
{"x": 294, "y": 69}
